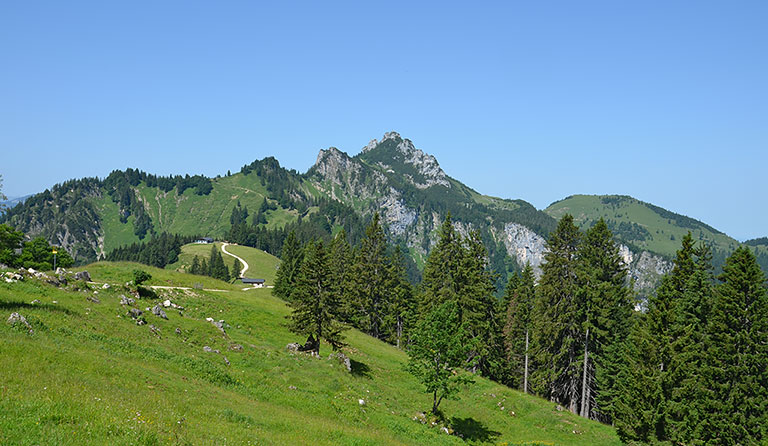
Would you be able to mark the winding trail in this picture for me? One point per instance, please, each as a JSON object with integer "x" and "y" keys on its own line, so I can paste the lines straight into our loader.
{"x": 244, "y": 263}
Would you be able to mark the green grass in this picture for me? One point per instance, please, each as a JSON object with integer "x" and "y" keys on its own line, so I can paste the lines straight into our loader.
{"x": 261, "y": 265}
{"x": 89, "y": 375}
{"x": 664, "y": 233}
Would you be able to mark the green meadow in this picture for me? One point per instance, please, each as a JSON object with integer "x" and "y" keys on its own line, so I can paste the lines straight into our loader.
{"x": 88, "y": 375}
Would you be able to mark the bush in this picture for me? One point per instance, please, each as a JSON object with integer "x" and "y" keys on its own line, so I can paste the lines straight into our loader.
{"x": 140, "y": 276}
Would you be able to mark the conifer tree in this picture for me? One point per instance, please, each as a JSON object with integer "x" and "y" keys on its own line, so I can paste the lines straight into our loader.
{"x": 315, "y": 307}
{"x": 290, "y": 262}
{"x": 606, "y": 308}
{"x": 737, "y": 368}
{"x": 558, "y": 336}
{"x": 371, "y": 274}
{"x": 236, "y": 267}
{"x": 401, "y": 311}
{"x": 195, "y": 268}
{"x": 340, "y": 264}
{"x": 440, "y": 281}
{"x": 520, "y": 299}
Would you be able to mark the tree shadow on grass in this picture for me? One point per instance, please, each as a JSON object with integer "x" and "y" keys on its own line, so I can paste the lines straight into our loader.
{"x": 16, "y": 305}
{"x": 360, "y": 369}
{"x": 473, "y": 430}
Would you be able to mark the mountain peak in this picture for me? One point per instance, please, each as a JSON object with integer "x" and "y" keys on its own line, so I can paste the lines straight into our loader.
{"x": 395, "y": 154}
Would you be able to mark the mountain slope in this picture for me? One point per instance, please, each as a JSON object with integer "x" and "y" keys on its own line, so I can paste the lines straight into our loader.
{"x": 89, "y": 375}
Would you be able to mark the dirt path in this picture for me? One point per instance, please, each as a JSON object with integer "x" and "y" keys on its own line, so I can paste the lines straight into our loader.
{"x": 243, "y": 262}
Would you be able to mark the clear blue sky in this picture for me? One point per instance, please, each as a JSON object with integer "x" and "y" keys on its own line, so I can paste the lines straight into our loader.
{"x": 666, "y": 101}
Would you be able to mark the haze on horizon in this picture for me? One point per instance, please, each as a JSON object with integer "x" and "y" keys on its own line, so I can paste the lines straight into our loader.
{"x": 664, "y": 102}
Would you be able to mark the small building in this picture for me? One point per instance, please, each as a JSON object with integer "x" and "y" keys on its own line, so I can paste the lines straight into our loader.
{"x": 204, "y": 240}
{"x": 257, "y": 283}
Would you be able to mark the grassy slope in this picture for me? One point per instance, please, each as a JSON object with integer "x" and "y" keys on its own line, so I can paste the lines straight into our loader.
{"x": 89, "y": 375}
{"x": 587, "y": 209}
{"x": 192, "y": 214}
{"x": 261, "y": 265}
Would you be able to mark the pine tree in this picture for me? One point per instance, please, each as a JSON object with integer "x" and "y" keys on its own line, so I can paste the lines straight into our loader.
{"x": 606, "y": 308}
{"x": 440, "y": 281}
{"x": 236, "y": 269}
{"x": 401, "y": 311}
{"x": 737, "y": 366}
{"x": 340, "y": 265}
{"x": 558, "y": 338}
{"x": 315, "y": 307}
{"x": 290, "y": 262}
{"x": 195, "y": 268}
{"x": 520, "y": 299}
{"x": 371, "y": 274}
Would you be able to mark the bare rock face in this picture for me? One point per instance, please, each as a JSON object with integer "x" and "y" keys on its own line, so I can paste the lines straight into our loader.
{"x": 525, "y": 246}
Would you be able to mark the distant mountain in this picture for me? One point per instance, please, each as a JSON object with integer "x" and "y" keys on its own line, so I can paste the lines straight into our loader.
{"x": 410, "y": 190}
{"x": 13, "y": 201}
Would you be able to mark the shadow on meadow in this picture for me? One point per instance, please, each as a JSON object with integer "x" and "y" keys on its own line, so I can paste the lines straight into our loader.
{"x": 16, "y": 305}
{"x": 360, "y": 369}
{"x": 473, "y": 430}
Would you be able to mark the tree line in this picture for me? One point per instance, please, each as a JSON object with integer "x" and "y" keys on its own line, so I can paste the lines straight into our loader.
{"x": 215, "y": 267}
{"x": 159, "y": 251}
{"x": 692, "y": 369}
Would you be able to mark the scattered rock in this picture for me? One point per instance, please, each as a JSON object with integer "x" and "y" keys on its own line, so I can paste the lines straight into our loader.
{"x": 157, "y": 311}
{"x": 236, "y": 347}
{"x": 559, "y": 408}
{"x": 178, "y": 331}
{"x": 53, "y": 281}
{"x": 12, "y": 277}
{"x": 361, "y": 402}
{"x": 106, "y": 286}
{"x": 126, "y": 300}
{"x": 292, "y": 347}
{"x": 94, "y": 299}
{"x": 445, "y": 430}
{"x": 61, "y": 271}
{"x": 226, "y": 360}
{"x": 35, "y": 302}
{"x": 207, "y": 349}
{"x": 83, "y": 275}
{"x": 291, "y": 387}
{"x": 154, "y": 330}
{"x": 342, "y": 359}
{"x": 140, "y": 321}
{"x": 218, "y": 324}
{"x": 16, "y": 318}
{"x": 135, "y": 313}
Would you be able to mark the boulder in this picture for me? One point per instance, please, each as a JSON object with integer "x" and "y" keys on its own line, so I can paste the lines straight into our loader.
{"x": 178, "y": 331}
{"x": 292, "y": 347}
{"x": 16, "y": 318}
{"x": 158, "y": 311}
{"x": 342, "y": 359}
{"x": 135, "y": 313}
{"x": 207, "y": 349}
{"x": 83, "y": 275}
{"x": 94, "y": 299}
{"x": 126, "y": 300}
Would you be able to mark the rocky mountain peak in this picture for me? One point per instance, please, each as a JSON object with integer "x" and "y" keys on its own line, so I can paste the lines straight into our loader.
{"x": 398, "y": 155}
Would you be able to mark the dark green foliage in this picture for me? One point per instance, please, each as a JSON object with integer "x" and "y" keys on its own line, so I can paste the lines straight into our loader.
{"x": 737, "y": 369}
{"x": 372, "y": 281}
{"x": 520, "y": 300}
{"x": 10, "y": 241}
{"x": 316, "y": 308}
{"x": 439, "y": 351}
{"x": 402, "y": 307}
{"x": 216, "y": 266}
{"x": 159, "y": 251}
{"x": 140, "y": 276}
{"x": 557, "y": 337}
{"x": 236, "y": 268}
{"x": 290, "y": 264}
{"x": 38, "y": 254}
{"x": 757, "y": 241}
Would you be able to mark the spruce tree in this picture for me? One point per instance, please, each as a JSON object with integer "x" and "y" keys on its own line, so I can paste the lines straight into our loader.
{"x": 236, "y": 267}
{"x": 195, "y": 268}
{"x": 520, "y": 299}
{"x": 558, "y": 339}
{"x": 315, "y": 307}
{"x": 440, "y": 280}
{"x": 371, "y": 273}
{"x": 402, "y": 308}
{"x": 737, "y": 368}
{"x": 290, "y": 262}
{"x": 606, "y": 308}
{"x": 340, "y": 264}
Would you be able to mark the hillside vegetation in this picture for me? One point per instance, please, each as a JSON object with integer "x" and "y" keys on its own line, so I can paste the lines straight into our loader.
{"x": 89, "y": 375}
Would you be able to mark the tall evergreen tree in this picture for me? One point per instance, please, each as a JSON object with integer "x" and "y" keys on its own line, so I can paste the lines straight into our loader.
{"x": 606, "y": 308}
{"x": 340, "y": 264}
{"x": 236, "y": 267}
{"x": 558, "y": 336}
{"x": 401, "y": 311}
{"x": 520, "y": 298}
{"x": 290, "y": 262}
{"x": 315, "y": 307}
{"x": 371, "y": 273}
{"x": 440, "y": 280}
{"x": 737, "y": 368}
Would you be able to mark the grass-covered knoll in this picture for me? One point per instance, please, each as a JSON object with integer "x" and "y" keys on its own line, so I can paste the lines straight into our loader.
{"x": 641, "y": 224}
{"x": 89, "y": 375}
{"x": 261, "y": 265}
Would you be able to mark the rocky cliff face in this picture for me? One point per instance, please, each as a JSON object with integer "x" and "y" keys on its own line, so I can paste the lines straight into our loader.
{"x": 524, "y": 245}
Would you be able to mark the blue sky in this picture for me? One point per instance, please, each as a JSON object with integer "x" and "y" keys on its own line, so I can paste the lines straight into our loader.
{"x": 664, "y": 101}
